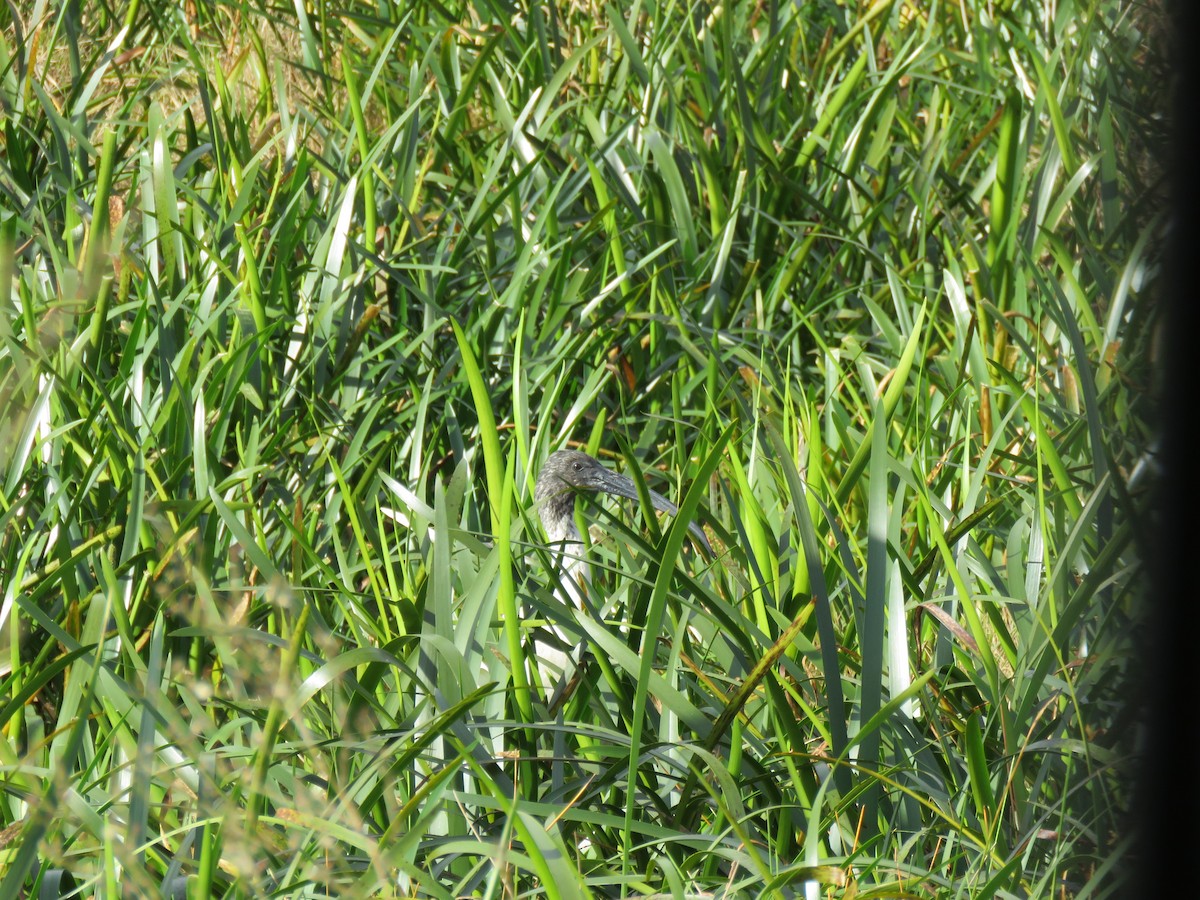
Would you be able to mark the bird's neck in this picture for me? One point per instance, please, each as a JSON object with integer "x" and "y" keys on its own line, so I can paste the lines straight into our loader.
{"x": 558, "y": 517}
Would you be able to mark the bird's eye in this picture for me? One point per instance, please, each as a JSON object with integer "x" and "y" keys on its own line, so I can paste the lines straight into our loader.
{"x": 577, "y": 466}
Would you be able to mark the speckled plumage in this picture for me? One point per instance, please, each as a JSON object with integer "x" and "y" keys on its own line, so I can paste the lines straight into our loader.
{"x": 564, "y": 473}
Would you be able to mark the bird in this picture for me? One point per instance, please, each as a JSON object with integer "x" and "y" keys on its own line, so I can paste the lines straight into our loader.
{"x": 564, "y": 473}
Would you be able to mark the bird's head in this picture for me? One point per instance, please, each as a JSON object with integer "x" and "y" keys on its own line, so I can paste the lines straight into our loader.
{"x": 566, "y": 471}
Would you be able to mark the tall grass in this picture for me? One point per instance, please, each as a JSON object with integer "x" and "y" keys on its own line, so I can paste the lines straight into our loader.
{"x": 300, "y": 296}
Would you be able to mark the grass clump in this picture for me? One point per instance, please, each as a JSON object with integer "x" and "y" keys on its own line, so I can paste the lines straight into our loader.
{"x": 301, "y": 296}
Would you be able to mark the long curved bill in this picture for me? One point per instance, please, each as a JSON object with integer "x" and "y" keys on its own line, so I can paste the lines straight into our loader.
{"x": 611, "y": 483}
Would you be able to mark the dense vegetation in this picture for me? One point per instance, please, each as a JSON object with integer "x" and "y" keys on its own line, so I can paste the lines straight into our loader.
{"x": 301, "y": 296}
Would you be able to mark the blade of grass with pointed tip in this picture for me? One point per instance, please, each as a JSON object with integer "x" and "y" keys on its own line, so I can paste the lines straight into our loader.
{"x": 825, "y": 625}
{"x": 891, "y": 397}
{"x": 669, "y": 549}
